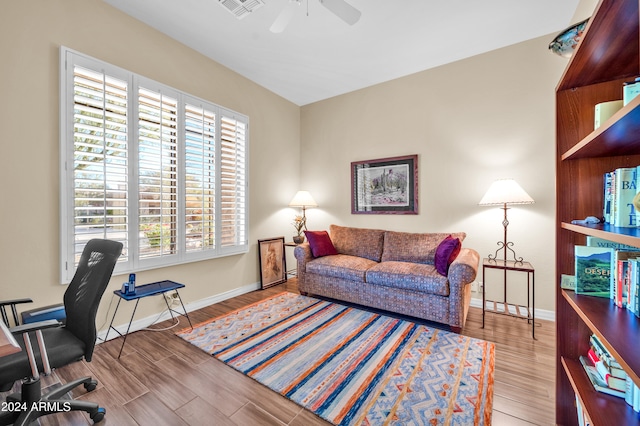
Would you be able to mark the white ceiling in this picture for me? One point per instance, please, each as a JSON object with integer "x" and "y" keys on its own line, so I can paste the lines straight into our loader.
{"x": 319, "y": 56}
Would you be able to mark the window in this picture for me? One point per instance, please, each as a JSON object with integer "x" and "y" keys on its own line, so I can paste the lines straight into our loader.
{"x": 161, "y": 171}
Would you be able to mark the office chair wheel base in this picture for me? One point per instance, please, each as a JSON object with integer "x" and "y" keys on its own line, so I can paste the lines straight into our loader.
{"x": 90, "y": 386}
{"x": 98, "y": 416}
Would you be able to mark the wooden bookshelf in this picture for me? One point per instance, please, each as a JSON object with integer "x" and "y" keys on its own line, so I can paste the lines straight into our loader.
{"x": 607, "y": 56}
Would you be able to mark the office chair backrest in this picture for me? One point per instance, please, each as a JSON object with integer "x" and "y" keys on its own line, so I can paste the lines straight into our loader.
{"x": 83, "y": 295}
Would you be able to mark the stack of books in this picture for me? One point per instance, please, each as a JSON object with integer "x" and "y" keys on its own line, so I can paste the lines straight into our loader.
{"x": 608, "y": 269}
{"x": 607, "y": 376}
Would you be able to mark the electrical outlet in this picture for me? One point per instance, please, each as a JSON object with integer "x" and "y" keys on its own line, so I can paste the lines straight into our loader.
{"x": 474, "y": 286}
{"x": 172, "y": 298}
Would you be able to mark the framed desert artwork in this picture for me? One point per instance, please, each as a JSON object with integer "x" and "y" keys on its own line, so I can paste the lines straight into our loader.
{"x": 385, "y": 186}
{"x": 273, "y": 263}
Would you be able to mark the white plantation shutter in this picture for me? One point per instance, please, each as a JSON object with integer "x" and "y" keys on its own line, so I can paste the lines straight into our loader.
{"x": 159, "y": 170}
{"x": 233, "y": 181}
{"x": 200, "y": 178}
{"x": 157, "y": 174}
{"x": 100, "y": 160}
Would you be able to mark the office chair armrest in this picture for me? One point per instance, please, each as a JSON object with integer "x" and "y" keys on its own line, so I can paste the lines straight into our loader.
{"x": 15, "y": 301}
{"x": 12, "y": 304}
{"x": 24, "y": 331}
{"x": 35, "y": 326}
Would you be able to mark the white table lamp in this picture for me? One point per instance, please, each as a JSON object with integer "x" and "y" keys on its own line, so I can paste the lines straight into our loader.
{"x": 303, "y": 199}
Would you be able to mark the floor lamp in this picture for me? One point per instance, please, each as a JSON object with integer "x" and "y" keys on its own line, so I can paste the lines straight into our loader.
{"x": 504, "y": 192}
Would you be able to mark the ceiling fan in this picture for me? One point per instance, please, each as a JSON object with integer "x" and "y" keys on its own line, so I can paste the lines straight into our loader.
{"x": 340, "y": 8}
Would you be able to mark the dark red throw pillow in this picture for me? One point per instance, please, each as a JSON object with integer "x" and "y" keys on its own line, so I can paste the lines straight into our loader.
{"x": 446, "y": 253}
{"x": 320, "y": 243}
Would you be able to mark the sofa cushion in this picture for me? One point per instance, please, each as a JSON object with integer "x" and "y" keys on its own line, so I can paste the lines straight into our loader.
{"x": 416, "y": 248}
{"x": 409, "y": 276}
{"x": 446, "y": 253}
{"x": 342, "y": 266}
{"x": 359, "y": 242}
{"x": 320, "y": 243}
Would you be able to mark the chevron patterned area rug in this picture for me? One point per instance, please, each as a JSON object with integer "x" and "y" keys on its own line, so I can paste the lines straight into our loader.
{"x": 353, "y": 367}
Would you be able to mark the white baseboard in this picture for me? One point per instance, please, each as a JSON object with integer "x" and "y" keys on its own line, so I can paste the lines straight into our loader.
{"x": 542, "y": 314}
{"x": 142, "y": 323}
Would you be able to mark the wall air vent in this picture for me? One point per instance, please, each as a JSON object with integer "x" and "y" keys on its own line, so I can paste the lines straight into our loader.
{"x": 241, "y": 8}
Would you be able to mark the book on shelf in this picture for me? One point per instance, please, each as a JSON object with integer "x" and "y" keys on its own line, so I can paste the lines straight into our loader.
{"x": 621, "y": 267}
{"x": 603, "y": 354}
{"x": 620, "y": 188}
{"x": 598, "y": 382}
{"x": 568, "y": 282}
{"x": 631, "y": 301}
{"x": 611, "y": 381}
{"x": 607, "y": 376}
{"x": 630, "y": 89}
{"x": 607, "y": 197}
{"x": 604, "y": 111}
{"x": 601, "y": 242}
{"x": 632, "y": 395}
{"x": 625, "y": 191}
{"x": 583, "y": 418}
{"x": 593, "y": 270}
{"x": 615, "y": 378}
{"x": 591, "y": 354}
{"x": 625, "y": 286}
{"x": 629, "y": 391}
{"x": 620, "y": 281}
{"x": 612, "y": 175}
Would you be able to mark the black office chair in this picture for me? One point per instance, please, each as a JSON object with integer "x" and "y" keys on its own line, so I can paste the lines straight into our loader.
{"x": 59, "y": 345}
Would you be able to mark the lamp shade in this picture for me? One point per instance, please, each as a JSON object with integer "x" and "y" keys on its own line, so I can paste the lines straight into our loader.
{"x": 303, "y": 199}
{"x": 505, "y": 191}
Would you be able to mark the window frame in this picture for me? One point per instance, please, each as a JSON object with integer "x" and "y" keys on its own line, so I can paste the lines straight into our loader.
{"x": 132, "y": 261}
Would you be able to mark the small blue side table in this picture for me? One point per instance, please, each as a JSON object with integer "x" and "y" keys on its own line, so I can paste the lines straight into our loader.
{"x": 143, "y": 291}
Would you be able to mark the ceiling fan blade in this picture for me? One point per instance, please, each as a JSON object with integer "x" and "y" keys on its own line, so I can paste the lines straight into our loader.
{"x": 283, "y": 18}
{"x": 342, "y": 10}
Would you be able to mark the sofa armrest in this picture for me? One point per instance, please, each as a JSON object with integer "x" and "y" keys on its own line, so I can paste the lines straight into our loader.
{"x": 464, "y": 268}
{"x": 462, "y": 272}
{"x": 302, "y": 253}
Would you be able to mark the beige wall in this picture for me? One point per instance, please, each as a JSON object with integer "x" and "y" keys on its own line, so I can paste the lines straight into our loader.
{"x": 471, "y": 122}
{"x": 31, "y": 32}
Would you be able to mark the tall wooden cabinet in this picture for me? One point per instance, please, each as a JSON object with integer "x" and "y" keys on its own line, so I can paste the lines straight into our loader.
{"x": 607, "y": 56}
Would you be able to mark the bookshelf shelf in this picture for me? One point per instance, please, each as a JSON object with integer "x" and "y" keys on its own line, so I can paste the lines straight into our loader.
{"x": 613, "y": 326}
{"x": 608, "y": 49}
{"x": 618, "y": 136}
{"x": 607, "y": 56}
{"x": 628, "y": 236}
{"x": 603, "y": 409}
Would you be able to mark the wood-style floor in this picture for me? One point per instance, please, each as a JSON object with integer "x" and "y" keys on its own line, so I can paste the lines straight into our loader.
{"x": 162, "y": 380}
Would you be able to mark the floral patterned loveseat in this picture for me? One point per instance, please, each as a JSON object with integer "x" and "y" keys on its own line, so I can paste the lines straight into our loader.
{"x": 392, "y": 271}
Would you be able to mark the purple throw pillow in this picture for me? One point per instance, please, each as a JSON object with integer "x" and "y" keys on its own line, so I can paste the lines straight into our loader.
{"x": 320, "y": 243}
{"x": 446, "y": 253}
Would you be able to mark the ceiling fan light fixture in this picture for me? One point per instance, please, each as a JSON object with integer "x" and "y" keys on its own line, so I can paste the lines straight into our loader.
{"x": 342, "y": 10}
{"x": 241, "y": 8}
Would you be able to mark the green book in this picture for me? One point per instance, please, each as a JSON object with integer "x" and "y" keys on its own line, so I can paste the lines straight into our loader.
{"x": 593, "y": 270}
